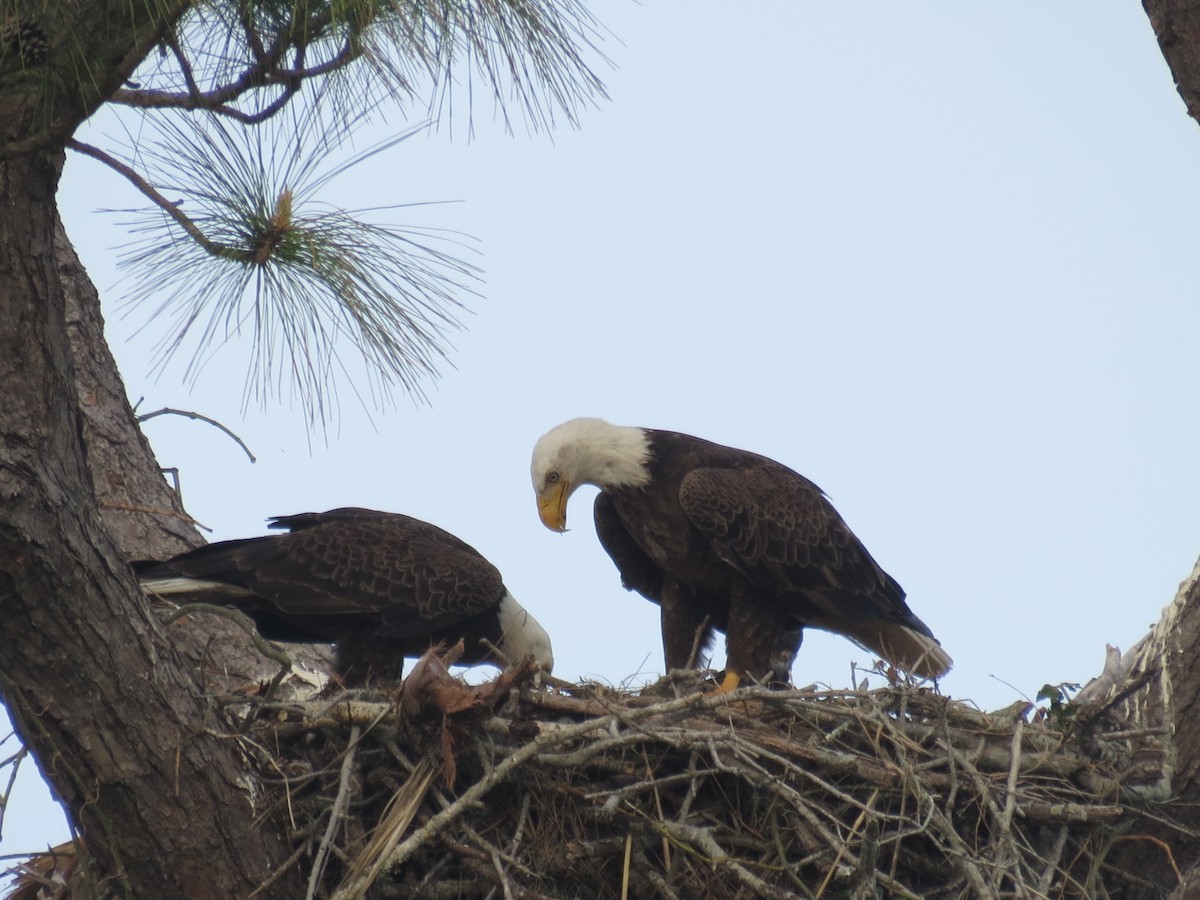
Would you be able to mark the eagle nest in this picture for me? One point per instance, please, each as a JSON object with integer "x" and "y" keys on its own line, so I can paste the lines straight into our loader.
{"x": 528, "y": 787}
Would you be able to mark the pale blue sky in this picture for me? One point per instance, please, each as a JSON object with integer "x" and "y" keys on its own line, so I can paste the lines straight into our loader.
{"x": 940, "y": 259}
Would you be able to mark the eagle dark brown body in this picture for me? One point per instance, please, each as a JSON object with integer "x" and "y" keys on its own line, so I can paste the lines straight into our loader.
{"x": 381, "y": 586}
{"x": 728, "y": 540}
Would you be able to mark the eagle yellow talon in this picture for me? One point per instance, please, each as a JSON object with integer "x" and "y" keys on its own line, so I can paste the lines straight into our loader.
{"x": 728, "y": 684}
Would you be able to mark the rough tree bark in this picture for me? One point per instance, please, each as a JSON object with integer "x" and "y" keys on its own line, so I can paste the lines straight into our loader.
{"x": 94, "y": 685}
{"x": 1176, "y": 24}
{"x": 140, "y": 512}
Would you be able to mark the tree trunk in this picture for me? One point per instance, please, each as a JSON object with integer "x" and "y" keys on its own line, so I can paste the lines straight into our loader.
{"x": 1153, "y": 692}
{"x": 140, "y": 512}
{"x": 93, "y": 686}
{"x": 1176, "y": 24}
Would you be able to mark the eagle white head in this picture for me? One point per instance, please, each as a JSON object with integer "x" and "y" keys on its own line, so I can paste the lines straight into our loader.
{"x": 523, "y": 635}
{"x": 585, "y": 451}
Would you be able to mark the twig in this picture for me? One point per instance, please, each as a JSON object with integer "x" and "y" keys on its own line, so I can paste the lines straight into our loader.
{"x": 658, "y": 806}
{"x": 281, "y": 870}
{"x": 188, "y": 414}
{"x": 1161, "y": 844}
{"x": 1010, "y": 800}
{"x": 864, "y": 877}
{"x": 520, "y": 829}
{"x": 154, "y": 511}
{"x": 340, "y": 804}
{"x": 625, "y": 865}
{"x": 1010, "y": 805}
{"x": 858, "y": 823}
{"x": 508, "y": 894}
{"x": 685, "y": 808}
{"x": 651, "y": 784}
{"x": 1052, "y": 860}
{"x": 781, "y": 854}
{"x": 702, "y": 839}
{"x": 15, "y": 761}
{"x": 660, "y": 885}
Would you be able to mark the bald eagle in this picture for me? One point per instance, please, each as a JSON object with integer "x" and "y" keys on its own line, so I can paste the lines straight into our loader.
{"x": 379, "y": 586}
{"x": 729, "y": 540}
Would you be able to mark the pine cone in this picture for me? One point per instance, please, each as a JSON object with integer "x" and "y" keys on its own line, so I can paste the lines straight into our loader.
{"x": 26, "y": 40}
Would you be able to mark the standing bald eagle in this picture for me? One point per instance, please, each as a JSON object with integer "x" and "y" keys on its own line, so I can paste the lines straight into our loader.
{"x": 379, "y": 586}
{"x": 729, "y": 540}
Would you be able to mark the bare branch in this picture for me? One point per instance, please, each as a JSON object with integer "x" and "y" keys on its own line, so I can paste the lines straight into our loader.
{"x": 188, "y": 414}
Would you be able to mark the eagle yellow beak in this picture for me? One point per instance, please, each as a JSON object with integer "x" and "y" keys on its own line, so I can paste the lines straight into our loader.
{"x": 552, "y": 505}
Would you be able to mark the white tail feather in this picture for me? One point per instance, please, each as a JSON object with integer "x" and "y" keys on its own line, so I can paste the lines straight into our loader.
{"x": 167, "y": 586}
{"x": 915, "y": 653}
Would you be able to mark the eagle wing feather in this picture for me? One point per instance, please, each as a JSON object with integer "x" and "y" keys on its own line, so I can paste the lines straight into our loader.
{"x": 414, "y": 576}
{"x": 778, "y": 529}
{"x": 638, "y": 571}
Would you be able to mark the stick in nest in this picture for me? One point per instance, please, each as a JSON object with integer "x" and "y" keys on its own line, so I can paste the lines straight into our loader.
{"x": 340, "y": 804}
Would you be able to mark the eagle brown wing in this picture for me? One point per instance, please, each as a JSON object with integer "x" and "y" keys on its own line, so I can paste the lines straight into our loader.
{"x": 412, "y": 577}
{"x": 781, "y": 533}
{"x": 638, "y": 571}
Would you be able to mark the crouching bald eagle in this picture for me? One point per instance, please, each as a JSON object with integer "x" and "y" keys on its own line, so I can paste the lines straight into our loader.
{"x": 379, "y": 586}
{"x": 729, "y": 540}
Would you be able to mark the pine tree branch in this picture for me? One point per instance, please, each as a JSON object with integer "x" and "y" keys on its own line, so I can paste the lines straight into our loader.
{"x": 149, "y": 190}
{"x": 266, "y": 71}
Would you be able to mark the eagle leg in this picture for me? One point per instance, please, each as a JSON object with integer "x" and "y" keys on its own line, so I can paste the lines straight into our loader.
{"x": 762, "y": 639}
{"x": 362, "y": 656}
{"x": 687, "y": 627}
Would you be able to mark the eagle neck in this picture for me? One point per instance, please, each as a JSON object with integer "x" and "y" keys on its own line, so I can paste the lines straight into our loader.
{"x": 618, "y": 458}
